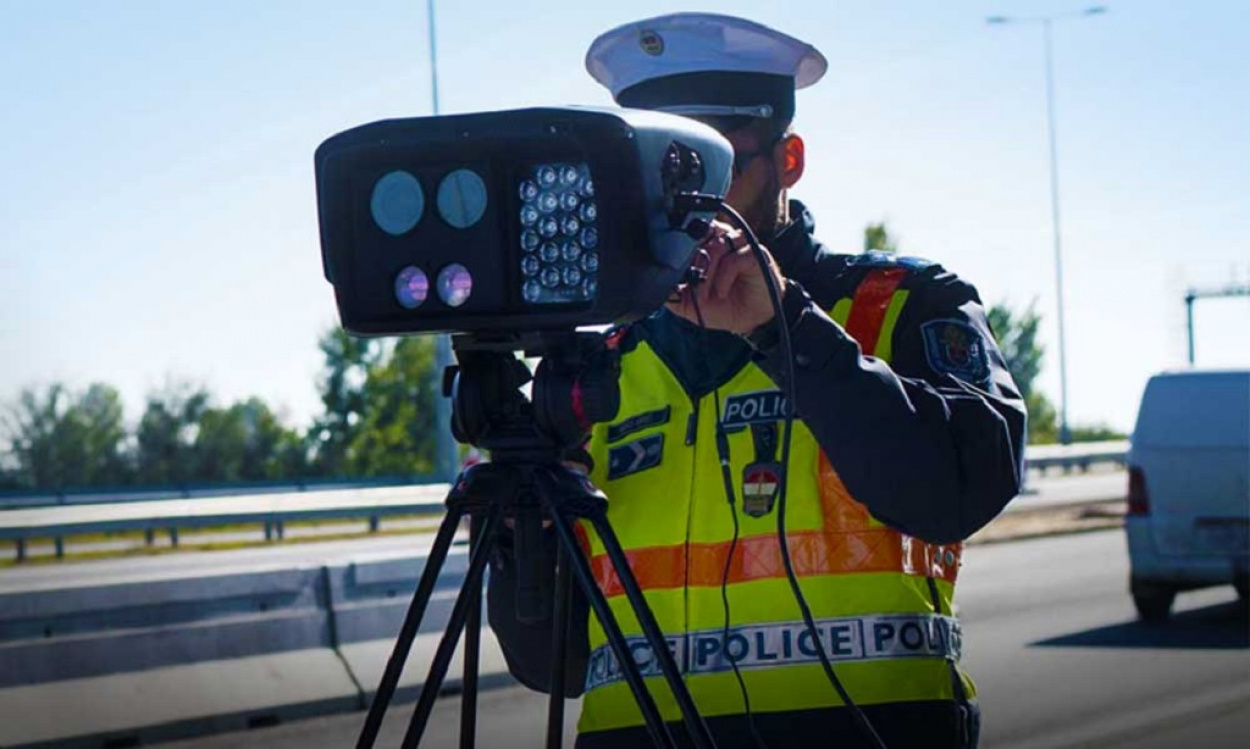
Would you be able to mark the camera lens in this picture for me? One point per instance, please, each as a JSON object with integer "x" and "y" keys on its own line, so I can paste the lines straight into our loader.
{"x": 397, "y": 203}
{"x": 411, "y": 287}
{"x": 455, "y": 284}
{"x": 462, "y": 198}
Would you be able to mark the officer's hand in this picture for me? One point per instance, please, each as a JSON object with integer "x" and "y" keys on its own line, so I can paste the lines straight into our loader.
{"x": 734, "y": 295}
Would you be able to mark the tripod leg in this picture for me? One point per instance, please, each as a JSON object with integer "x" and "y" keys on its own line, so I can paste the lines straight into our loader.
{"x": 472, "y": 649}
{"x": 408, "y": 632}
{"x": 559, "y": 640}
{"x": 470, "y": 590}
{"x": 699, "y": 731}
{"x": 656, "y": 727}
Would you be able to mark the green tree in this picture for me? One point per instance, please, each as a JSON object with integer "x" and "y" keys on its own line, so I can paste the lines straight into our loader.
{"x": 244, "y": 442}
{"x": 1096, "y": 433}
{"x": 396, "y": 433}
{"x": 1017, "y": 333}
{"x": 168, "y": 431}
{"x": 877, "y": 237}
{"x": 61, "y": 440}
{"x": 348, "y": 362}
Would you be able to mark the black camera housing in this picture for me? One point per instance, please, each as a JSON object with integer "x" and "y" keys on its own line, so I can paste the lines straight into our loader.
{"x": 641, "y": 252}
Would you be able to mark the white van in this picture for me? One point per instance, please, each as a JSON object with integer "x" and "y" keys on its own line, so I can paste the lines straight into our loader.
{"x": 1188, "y": 518}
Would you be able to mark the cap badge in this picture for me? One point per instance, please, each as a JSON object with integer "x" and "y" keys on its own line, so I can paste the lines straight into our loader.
{"x": 651, "y": 42}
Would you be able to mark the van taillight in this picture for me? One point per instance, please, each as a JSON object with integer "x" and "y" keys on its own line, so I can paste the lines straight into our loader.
{"x": 1138, "y": 498}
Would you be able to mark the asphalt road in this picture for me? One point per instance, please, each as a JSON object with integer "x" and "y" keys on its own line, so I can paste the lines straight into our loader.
{"x": 1050, "y": 637}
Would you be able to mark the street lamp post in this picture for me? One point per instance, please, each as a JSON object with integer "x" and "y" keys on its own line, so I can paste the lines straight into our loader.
{"x": 445, "y": 445}
{"x": 1065, "y": 433}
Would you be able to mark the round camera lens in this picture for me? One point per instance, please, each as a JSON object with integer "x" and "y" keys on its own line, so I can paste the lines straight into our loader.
{"x": 397, "y": 202}
{"x": 455, "y": 284}
{"x": 411, "y": 287}
{"x": 462, "y": 198}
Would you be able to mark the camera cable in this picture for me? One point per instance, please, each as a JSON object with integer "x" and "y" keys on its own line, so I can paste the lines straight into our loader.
{"x": 722, "y": 452}
{"x": 774, "y": 294}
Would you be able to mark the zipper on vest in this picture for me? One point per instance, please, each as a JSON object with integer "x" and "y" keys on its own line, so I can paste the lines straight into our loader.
{"x": 692, "y": 431}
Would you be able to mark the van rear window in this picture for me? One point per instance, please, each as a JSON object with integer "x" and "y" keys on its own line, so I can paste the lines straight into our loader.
{"x": 1197, "y": 409}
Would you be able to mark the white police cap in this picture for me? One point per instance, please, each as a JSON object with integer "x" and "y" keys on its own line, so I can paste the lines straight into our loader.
{"x": 704, "y": 64}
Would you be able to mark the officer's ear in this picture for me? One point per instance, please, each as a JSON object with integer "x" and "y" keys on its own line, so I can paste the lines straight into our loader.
{"x": 789, "y": 155}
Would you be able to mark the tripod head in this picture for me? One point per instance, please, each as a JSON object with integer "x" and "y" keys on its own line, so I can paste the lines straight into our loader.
{"x": 574, "y": 387}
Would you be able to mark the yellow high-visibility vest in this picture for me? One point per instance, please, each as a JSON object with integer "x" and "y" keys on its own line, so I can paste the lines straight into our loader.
{"x": 870, "y": 588}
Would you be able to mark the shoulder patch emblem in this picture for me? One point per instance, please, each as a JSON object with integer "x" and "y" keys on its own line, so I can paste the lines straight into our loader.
{"x": 956, "y": 348}
{"x": 635, "y": 456}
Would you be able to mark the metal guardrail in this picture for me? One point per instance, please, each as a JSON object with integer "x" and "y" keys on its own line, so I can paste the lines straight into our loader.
{"x": 1079, "y": 455}
{"x": 273, "y": 511}
{"x": 11, "y": 500}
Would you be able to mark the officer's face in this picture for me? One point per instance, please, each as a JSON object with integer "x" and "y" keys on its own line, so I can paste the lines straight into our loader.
{"x": 755, "y": 191}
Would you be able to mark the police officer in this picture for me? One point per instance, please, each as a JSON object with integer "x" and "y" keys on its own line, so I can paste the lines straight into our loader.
{"x": 909, "y": 438}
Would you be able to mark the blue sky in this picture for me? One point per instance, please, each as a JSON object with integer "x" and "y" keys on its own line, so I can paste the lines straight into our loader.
{"x": 157, "y": 212}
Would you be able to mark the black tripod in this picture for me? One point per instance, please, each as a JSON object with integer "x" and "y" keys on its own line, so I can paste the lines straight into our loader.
{"x": 575, "y": 386}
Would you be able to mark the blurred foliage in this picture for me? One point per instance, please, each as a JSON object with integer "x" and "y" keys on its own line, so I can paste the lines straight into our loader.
{"x": 1016, "y": 333}
{"x": 246, "y": 442}
{"x": 348, "y": 362}
{"x": 58, "y": 438}
{"x": 877, "y": 237}
{"x": 396, "y": 432}
{"x": 166, "y": 434}
{"x": 1096, "y": 433}
{"x": 377, "y": 419}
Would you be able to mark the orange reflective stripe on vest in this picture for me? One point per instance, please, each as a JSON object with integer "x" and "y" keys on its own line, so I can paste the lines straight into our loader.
{"x": 759, "y": 558}
{"x": 872, "y": 300}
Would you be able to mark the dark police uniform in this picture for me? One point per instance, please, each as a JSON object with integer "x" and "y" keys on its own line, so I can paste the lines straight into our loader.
{"x": 909, "y": 437}
{"x": 929, "y": 446}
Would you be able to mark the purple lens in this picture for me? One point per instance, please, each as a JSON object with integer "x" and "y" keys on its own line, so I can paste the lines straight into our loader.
{"x": 412, "y": 287}
{"x": 455, "y": 284}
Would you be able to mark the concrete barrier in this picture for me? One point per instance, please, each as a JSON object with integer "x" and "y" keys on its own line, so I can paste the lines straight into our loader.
{"x": 128, "y": 663}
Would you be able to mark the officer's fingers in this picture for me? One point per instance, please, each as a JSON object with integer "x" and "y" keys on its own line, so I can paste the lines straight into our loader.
{"x": 733, "y": 268}
{"x": 715, "y": 230}
{"x": 710, "y": 275}
{"x": 720, "y": 241}
{"x": 722, "y": 226}
{"x": 727, "y": 244}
